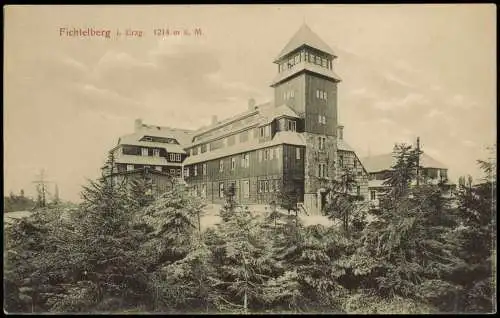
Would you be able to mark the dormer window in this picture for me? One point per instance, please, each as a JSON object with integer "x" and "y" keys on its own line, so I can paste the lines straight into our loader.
{"x": 175, "y": 157}
{"x": 292, "y": 125}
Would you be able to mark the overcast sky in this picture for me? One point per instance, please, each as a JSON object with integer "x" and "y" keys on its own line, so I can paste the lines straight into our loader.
{"x": 407, "y": 70}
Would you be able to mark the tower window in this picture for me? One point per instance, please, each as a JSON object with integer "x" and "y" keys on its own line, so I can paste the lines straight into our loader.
{"x": 322, "y": 141}
{"x": 322, "y": 173}
{"x": 297, "y": 153}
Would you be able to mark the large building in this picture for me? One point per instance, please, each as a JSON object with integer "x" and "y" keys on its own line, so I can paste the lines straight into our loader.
{"x": 291, "y": 145}
{"x": 152, "y": 152}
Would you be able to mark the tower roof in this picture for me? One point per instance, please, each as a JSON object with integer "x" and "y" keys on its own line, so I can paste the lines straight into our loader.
{"x": 305, "y": 36}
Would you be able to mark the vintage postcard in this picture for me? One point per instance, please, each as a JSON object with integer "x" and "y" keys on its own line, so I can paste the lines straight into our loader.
{"x": 169, "y": 159}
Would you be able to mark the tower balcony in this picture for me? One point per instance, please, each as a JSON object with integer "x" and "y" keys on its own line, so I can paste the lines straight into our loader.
{"x": 303, "y": 66}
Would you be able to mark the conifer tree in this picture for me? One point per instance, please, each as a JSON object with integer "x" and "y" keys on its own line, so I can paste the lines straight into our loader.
{"x": 409, "y": 241}
{"x": 477, "y": 212}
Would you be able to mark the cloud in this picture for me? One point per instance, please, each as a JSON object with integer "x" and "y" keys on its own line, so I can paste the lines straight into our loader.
{"x": 459, "y": 101}
{"x": 393, "y": 78}
{"x": 435, "y": 113}
{"x": 409, "y": 101}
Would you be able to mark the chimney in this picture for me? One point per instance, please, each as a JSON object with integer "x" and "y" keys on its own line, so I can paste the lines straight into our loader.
{"x": 251, "y": 104}
{"x": 138, "y": 124}
{"x": 340, "y": 132}
{"x": 214, "y": 119}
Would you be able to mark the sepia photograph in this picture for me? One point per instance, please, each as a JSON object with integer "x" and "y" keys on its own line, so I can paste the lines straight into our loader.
{"x": 250, "y": 159}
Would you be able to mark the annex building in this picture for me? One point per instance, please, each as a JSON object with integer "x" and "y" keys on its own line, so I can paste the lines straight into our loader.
{"x": 292, "y": 144}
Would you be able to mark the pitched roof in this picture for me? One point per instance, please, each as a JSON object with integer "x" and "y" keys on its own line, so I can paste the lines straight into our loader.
{"x": 263, "y": 114}
{"x": 342, "y": 145}
{"x": 268, "y": 114}
{"x": 385, "y": 162}
{"x": 183, "y": 136}
{"x": 134, "y": 140}
{"x": 305, "y": 36}
{"x": 282, "y": 137}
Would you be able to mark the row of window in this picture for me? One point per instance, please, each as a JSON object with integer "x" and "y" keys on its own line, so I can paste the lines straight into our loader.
{"x": 321, "y": 94}
{"x": 159, "y": 139}
{"x": 173, "y": 172}
{"x": 263, "y": 155}
{"x": 304, "y": 56}
{"x": 266, "y": 186}
{"x": 173, "y": 157}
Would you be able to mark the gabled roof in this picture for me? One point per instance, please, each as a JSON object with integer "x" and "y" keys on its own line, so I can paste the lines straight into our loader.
{"x": 183, "y": 136}
{"x": 134, "y": 140}
{"x": 385, "y": 162}
{"x": 305, "y": 36}
{"x": 282, "y": 137}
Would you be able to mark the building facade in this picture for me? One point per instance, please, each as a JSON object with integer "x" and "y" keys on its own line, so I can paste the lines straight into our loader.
{"x": 378, "y": 167}
{"x": 288, "y": 146}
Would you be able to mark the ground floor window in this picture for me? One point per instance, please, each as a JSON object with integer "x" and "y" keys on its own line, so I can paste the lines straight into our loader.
{"x": 221, "y": 190}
